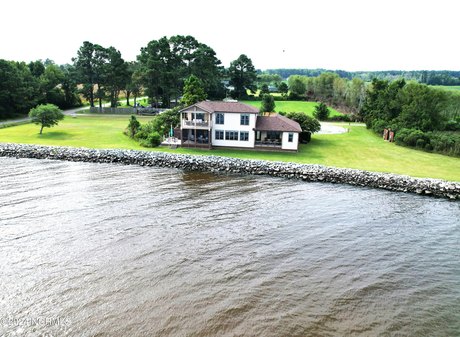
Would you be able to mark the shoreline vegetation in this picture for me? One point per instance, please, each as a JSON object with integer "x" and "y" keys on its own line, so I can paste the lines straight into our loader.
{"x": 226, "y": 165}
{"x": 359, "y": 148}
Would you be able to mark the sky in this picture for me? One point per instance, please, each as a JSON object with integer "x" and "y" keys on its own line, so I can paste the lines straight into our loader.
{"x": 353, "y": 35}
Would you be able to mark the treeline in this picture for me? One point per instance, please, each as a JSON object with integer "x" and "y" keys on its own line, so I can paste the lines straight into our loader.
{"x": 345, "y": 95}
{"x": 423, "y": 117}
{"x": 23, "y": 86}
{"x": 431, "y": 77}
{"x": 160, "y": 72}
{"x": 100, "y": 74}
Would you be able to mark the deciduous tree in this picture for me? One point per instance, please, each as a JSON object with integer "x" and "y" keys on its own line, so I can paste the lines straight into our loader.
{"x": 46, "y": 115}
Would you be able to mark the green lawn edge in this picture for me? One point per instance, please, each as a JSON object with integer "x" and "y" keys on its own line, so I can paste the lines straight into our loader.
{"x": 358, "y": 149}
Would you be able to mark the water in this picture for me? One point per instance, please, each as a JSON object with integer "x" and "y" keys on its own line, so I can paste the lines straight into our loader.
{"x": 108, "y": 250}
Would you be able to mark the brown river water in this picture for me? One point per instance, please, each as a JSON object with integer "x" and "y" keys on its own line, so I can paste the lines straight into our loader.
{"x": 109, "y": 250}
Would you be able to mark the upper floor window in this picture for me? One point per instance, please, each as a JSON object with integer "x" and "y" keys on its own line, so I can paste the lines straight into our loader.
{"x": 244, "y": 119}
{"x": 219, "y": 118}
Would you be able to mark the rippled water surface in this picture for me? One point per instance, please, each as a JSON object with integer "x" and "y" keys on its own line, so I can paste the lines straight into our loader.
{"x": 109, "y": 250}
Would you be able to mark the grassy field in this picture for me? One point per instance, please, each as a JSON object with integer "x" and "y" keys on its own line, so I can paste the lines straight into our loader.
{"x": 448, "y": 87}
{"x": 294, "y": 106}
{"x": 359, "y": 148}
{"x": 94, "y": 131}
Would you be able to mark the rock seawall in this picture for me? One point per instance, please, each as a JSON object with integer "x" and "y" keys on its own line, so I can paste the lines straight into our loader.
{"x": 305, "y": 172}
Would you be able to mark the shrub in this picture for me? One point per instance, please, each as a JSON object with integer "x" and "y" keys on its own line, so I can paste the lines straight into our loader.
{"x": 378, "y": 125}
{"x": 420, "y": 143}
{"x": 133, "y": 127}
{"x": 321, "y": 112}
{"x": 153, "y": 140}
{"x": 340, "y": 118}
{"x": 447, "y": 143}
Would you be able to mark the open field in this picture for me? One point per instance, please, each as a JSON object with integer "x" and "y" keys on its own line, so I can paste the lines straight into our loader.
{"x": 448, "y": 87}
{"x": 359, "y": 148}
{"x": 294, "y": 106}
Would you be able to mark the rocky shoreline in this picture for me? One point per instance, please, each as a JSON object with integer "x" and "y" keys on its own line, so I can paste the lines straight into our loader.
{"x": 305, "y": 172}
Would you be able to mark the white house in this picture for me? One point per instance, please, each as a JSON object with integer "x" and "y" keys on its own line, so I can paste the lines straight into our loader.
{"x": 237, "y": 125}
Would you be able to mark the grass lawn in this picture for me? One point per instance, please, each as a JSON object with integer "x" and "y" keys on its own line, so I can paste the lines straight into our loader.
{"x": 94, "y": 131}
{"x": 359, "y": 148}
{"x": 448, "y": 87}
{"x": 294, "y": 106}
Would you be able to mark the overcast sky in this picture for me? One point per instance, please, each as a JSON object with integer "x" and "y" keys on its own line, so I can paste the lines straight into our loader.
{"x": 333, "y": 34}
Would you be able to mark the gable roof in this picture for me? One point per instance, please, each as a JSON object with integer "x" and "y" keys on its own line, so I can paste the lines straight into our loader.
{"x": 220, "y": 106}
{"x": 277, "y": 123}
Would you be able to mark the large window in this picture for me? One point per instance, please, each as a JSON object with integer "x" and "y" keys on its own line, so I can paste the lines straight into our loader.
{"x": 273, "y": 135}
{"x": 290, "y": 137}
{"x": 244, "y": 119}
{"x": 219, "y": 135}
{"x": 219, "y": 118}
{"x": 244, "y": 136}
{"x": 231, "y": 135}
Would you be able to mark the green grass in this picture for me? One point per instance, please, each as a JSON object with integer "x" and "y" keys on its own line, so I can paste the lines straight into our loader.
{"x": 94, "y": 131}
{"x": 294, "y": 106}
{"x": 360, "y": 148}
{"x": 448, "y": 87}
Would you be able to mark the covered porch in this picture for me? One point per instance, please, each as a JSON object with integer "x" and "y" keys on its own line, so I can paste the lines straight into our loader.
{"x": 196, "y": 138}
{"x": 272, "y": 139}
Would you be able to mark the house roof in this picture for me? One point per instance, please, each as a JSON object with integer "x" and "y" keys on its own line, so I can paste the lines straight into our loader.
{"x": 277, "y": 123}
{"x": 220, "y": 106}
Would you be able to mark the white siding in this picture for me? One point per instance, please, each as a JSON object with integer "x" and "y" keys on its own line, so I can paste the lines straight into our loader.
{"x": 286, "y": 145}
{"x": 232, "y": 122}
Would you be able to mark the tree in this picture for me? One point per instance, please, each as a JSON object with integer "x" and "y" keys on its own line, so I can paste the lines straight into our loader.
{"x": 264, "y": 90}
{"x": 321, "y": 112}
{"x": 69, "y": 86}
{"x": 324, "y": 86}
{"x": 47, "y": 115}
{"x": 193, "y": 91}
{"x": 297, "y": 85}
{"x": 165, "y": 64}
{"x": 421, "y": 107}
{"x": 85, "y": 69}
{"x": 268, "y": 103}
{"x": 283, "y": 88}
{"x": 307, "y": 123}
{"x": 242, "y": 75}
{"x": 116, "y": 75}
{"x": 19, "y": 89}
{"x": 133, "y": 126}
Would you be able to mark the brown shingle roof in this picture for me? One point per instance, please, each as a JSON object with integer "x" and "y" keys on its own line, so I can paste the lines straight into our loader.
{"x": 220, "y": 106}
{"x": 277, "y": 123}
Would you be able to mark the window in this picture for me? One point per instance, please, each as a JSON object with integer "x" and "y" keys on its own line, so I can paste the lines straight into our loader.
{"x": 220, "y": 118}
{"x": 290, "y": 137}
{"x": 219, "y": 135}
{"x": 273, "y": 135}
{"x": 244, "y": 136}
{"x": 231, "y": 135}
{"x": 244, "y": 119}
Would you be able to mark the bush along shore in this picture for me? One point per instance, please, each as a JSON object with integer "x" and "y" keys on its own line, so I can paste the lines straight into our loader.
{"x": 305, "y": 172}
